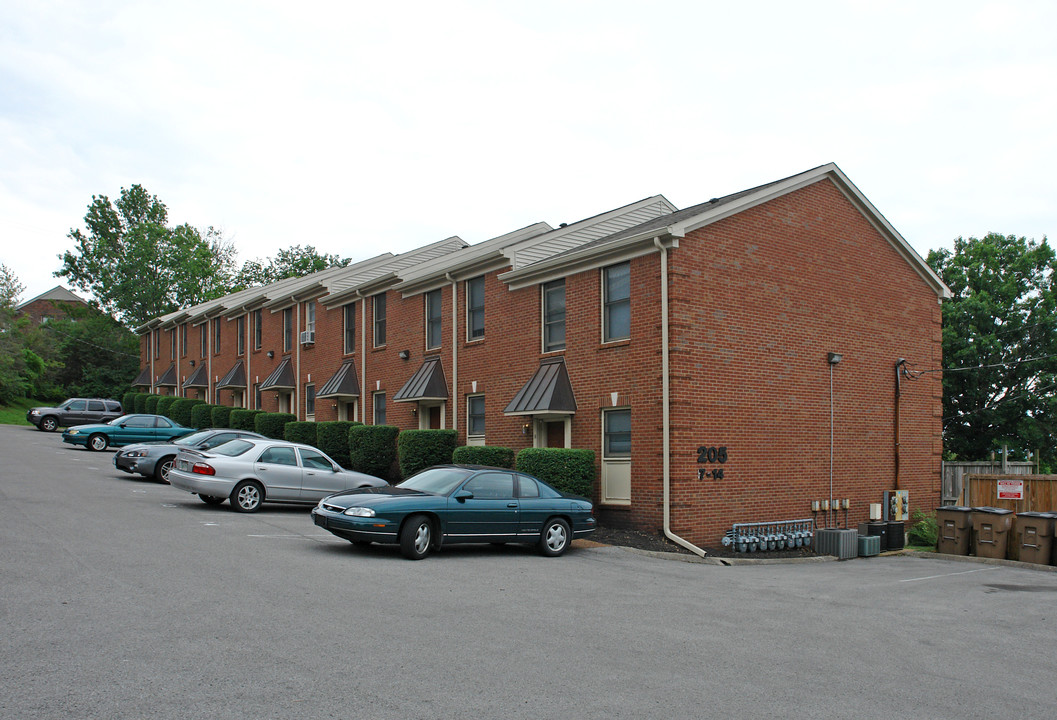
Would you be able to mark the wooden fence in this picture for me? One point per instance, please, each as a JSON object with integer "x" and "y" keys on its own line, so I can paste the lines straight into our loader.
{"x": 953, "y": 483}
{"x": 1040, "y": 492}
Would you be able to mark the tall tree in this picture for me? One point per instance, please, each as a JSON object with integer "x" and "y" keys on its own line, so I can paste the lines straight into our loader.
{"x": 136, "y": 266}
{"x": 12, "y": 361}
{"x": 999, "y": 345}
{"x": 295, "y": 261}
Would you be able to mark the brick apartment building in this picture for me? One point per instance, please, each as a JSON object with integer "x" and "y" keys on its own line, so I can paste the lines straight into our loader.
{"x": 54, "y": 304}
{"x": 728, "y": 362}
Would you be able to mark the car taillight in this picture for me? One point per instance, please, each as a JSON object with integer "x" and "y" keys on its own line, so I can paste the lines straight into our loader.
{"x": 202, "y": 469}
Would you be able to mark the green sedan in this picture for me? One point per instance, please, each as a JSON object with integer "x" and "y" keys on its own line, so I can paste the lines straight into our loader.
{"x": 450, "y": 504}
{"x": 125, "y": 430}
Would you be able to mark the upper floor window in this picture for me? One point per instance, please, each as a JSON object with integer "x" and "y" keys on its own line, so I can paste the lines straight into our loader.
{"x": 216, "y": 336}
{"x": 475, "y": 308}
{"x": 554, "y": 316}
{"x": 349, "y": 311}
{"x": 157, "y": 344}
{"x": 258, "y": 320}
{"x": 204, "y": 339}
{"x": 183, "y": 340}
{"x": 240, "y": 333}
{"x": 379, "y": 319}
{"x": 288, "y": 329}
{"x": 616, "y": 302}
{"x": 172, "y": 344}
{"x": 433, "y": 319}
{"x": 310, "y": 316}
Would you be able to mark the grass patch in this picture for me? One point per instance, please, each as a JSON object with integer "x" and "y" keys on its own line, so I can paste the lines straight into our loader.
{"x": 15, "y": 413}
{"x": 922, "y": 548}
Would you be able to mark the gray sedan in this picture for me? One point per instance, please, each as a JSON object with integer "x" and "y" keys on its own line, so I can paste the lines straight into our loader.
{"x": 250, "y": 472}
{"x": 155, "y": 459}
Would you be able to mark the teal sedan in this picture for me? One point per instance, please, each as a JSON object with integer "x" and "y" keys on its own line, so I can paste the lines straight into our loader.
{"x": 450, "y": 504}
{"x": 125, "y": 430}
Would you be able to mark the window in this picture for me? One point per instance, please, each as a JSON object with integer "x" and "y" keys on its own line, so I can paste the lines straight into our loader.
{"x": 139, "y": 421}
{"x": 475, "y": 308}
{"x": 315, "y": 460}
{"x": 172, "y": 344}
{"x": 76, "y": 405}
{"x": 216, "y": 336}
{"x": 96, "y": 406}
{"x": 379, "y": 408}
{"x": 204, "y": 341}
{"x": 146, "y": 339}
{"x": 527, "y": 487}
{"x": 256, "y": 396}
{"x": 433, "y": 319}
{"x": 310, "y": 401}
{"x": 350, "y": 328}
{"x": 240, "y": 334}
{"x": 475, "y": 415}
{"x": 157, "y": 345}
{"x": 379, "y": 320}
{"x": 616, "y": 302}
{"x": 279, "y": 456}
{"x": 554, "y": 316}
{"x": 288, "y": 329}
{"x": 257, "y": 329}
{"x": 183, "y": 340}
{"x": 617, "y": 433}
{"x": 491, "y": 485}
{"x": 310, "y": 316}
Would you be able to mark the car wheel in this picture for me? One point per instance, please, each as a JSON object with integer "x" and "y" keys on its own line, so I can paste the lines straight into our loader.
{"x": 210, "y": 500}
{"x": 161, "y": 470}
{"x": 416, "y": 537}
{"x": 98, "y": 442}
{"x": 247, "y": 497}
{"x": 554, "y": 540}
{"x": 49, "y": 424}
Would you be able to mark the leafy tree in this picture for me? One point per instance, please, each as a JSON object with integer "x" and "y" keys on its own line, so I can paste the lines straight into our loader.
{"x": 136, "y": 266}
{"x": 12, "y": 359}
{"x": 91, "y": 354}
{"x": 999, "y": 345}
{"x": 296, "y": 261}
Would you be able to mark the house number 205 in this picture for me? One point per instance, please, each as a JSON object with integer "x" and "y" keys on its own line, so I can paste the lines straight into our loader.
{"x": 706, "y": 454}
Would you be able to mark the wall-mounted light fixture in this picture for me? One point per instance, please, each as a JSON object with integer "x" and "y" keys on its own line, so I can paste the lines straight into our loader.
{"x": 192, "y": 363}
{"x": 270, "y": 353}
{"x": 414, "y": 412}
{"x": 404, "y": 354}
{"x": 834, "y": 358}
{"x": 525, "y": 428}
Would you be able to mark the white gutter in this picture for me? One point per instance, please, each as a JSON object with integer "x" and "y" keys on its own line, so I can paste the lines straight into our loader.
{"x": 363, "y": 363}
{"x": 666, "y": 443}
{"x": 150, "y": 352}
{"x": 454, "y": 352}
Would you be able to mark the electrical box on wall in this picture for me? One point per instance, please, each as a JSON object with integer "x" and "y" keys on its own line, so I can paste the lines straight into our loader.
{"x": 897, "y": 505}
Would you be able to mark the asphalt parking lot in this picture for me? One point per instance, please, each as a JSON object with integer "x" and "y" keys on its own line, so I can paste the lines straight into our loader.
{"x": 122, "y": 598}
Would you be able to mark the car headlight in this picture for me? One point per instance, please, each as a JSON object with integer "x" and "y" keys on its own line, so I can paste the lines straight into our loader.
{"x": 136, "y": 453}
{"x": 360, "y": 512}
{"x": 34, "y": 412}
{"x": 73, "y": 432}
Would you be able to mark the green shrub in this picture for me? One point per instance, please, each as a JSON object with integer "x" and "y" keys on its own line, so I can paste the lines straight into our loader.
{"x": 273, "y": 425}
{"x": 128, "y": 401}
{"x": 333, "y": 438}
{"x": 243, "y": 419}
{"x": 420, "y": 449}
{"x": 220, "y": 416}
{"x": 150, "y": 405}
{"x": 484, "y": 455}
{"x": 372, "y": 450}
{"x": 567, "y": 470}
{"x": 164, "y": 404}
{"x": 202, "y": 416}
{"x": 925, "y": 531}
{"x": 180, "y": 411}
{"x": 139, "y": 403}
{"x": 300, "y": 432}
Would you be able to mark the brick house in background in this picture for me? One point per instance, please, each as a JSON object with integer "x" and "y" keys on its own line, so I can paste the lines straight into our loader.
{"x": 701, "y": 352}
{"x": 51, "y": 305}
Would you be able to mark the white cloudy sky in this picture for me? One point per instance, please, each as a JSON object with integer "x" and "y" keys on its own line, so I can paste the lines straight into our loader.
{"x": 362, "y": 127}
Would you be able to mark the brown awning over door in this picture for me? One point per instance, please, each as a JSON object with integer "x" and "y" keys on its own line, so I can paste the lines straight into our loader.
{"x": 426, "y": 384}
{"x": 547, "y": 391}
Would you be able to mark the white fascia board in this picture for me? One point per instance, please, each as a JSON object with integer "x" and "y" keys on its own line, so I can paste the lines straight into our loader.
{"x": 364, "y": 289}
{"x": 495, "y": 260}
{"x": 590, "y": 258}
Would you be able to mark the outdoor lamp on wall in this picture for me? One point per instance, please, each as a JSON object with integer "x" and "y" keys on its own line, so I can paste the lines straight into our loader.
{"x": 192, "y": 363}
{"x": 834, "y": 358}
{"x": 404, "y": 354}
{"x": 270, "y": 353}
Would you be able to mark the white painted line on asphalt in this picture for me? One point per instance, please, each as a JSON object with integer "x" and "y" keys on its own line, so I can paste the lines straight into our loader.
{"x": 964, "y": 572}
{"x": 211, "y": 524}
{"x": 140, "y": 491}
{"x": 169, "y": 505}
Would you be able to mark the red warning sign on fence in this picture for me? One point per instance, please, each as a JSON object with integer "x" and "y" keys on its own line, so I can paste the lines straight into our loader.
{"x": 1010, "y": 489}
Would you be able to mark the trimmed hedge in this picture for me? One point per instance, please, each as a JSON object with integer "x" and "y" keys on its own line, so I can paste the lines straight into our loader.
{"x": 567, "y": 470}
{"x": 128, "y": 400}
{"x": 420, "y": 449}
{"x": 220, "y": 416}
{"x": 243, "y": 419}
{"x": 139, "y": 403}
{"x": 150, "y": 405}
{"x": 272, "y": 425}
{"x": 300, "y": 432}
{"x": 484, "y": 455}
{"x": 372, "y": 450}
{"x": 333, "y": 439}
{"x": 181, "y": 410}
{"x": 202, "y": 416}
{"x": 164, "y": 404}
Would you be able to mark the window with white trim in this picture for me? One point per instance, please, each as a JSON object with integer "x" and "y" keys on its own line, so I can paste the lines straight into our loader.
{"x": 475, "y": 308}
{"x": 310, "y": 401}
{"x": 310, "y": 316}
{"x": 349, "y": 314}
{"x": 554, "y": 316}
{"x": 288, "y": 329}
{"x": 379, "y": 408}
{"x": 616, "y": 302}
{"x": 475, "y": 416}
{"x": 433, "y": 319}
{"x": 378, "y": 305}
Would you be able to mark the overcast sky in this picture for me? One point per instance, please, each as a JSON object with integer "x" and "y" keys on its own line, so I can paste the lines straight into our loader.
{"x": 363, "y": 127}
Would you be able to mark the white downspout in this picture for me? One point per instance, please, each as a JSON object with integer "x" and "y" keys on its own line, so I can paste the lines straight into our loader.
{"x": 665, "y": 409}
{"x": 362, "y": 404}
{"x": 454, "y": 352}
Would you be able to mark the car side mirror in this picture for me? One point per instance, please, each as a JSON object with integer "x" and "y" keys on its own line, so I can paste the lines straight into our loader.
{"x": 462, "y": 495}
{"x": 334, "y": 467}
{"x": 122, "y": 425}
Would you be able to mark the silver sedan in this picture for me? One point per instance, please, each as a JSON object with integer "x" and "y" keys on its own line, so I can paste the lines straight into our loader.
{"x": 249, "y": 472}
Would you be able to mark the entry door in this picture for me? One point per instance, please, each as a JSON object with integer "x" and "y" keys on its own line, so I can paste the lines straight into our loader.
{"x": 434, "y": 417}
{"x": 555, "y": 433}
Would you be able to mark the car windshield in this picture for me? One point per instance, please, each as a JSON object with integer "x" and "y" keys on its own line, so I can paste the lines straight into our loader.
{"x": 194, "y": 438}
{"x": 436, "y": 481}
{"x": 232, "y": 448}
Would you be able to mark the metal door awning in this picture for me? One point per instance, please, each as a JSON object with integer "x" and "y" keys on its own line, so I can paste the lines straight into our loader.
{"x": 235, "y": 377}
{"x": 143, "y": 379}
{"x": 342, "y": 384}
{"x": 282, "y": 378}
{"x": 168, "y": 378}
{"x": 199, "y": 378}
{"x": 426, "y": 384}
{"x": 547, "y": 391}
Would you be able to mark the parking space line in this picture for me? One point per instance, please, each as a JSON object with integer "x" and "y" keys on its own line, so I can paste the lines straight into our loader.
{"x": 963, "y": 572}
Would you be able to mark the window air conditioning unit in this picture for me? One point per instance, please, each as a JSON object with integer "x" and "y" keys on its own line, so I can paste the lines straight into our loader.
{"x": 308, "y": 337}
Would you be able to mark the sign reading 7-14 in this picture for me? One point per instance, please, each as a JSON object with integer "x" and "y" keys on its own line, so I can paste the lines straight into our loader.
{"x": 710, "y": 455}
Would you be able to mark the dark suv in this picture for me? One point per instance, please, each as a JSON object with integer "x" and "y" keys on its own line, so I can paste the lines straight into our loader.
{"x": 75, "y": 411}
